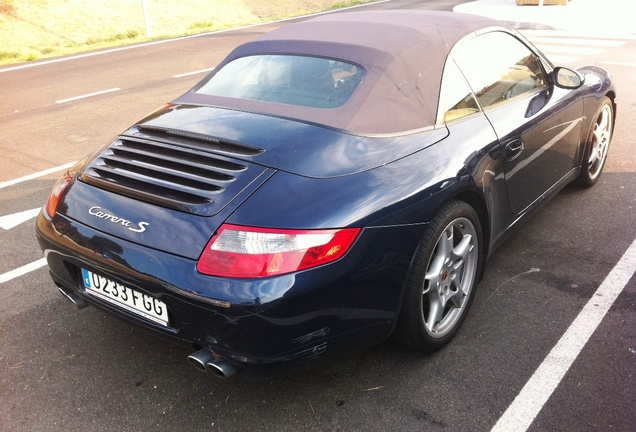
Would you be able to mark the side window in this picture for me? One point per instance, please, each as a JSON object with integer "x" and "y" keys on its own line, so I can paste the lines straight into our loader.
{"x": 499, "y": 67}
{"x": 456, "y": 95}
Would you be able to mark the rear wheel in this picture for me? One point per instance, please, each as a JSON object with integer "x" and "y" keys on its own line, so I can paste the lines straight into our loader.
{"x": 442, "y": 280}
{"x": 598, "y": 142}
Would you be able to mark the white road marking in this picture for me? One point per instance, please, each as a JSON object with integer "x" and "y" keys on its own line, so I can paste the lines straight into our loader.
{"x": 13, "y": 220}
{"x": 36, "y": 175}
{"x": 530, "y": 33}
{"x": 21, "y": 271}
{"x": 192, "y": 73}
{"x": 569, "y": 49}
{"x": 523, "y": 410}
{"x": 84, "y": 96}
{"x": 557, "y": 59}
{"x": 579, "y": 42}
{"x": 619, "y": 63}
{"x": 558, "y": 44}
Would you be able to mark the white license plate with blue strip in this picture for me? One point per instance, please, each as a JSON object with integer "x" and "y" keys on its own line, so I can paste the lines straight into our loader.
{"x": 125, "y": 297}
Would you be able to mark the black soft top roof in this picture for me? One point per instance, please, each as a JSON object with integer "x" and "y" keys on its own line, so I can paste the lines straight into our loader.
{"x": 402, "y": 51}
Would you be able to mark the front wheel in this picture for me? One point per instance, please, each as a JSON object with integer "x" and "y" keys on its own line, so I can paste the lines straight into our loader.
{"x": 441, "y": 283}
{"x": 598, "y": 142}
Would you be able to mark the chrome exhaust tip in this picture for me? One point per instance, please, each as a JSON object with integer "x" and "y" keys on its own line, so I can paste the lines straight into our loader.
{"x": 200, "y": 358}
{"x": 221, "y": 368}
{"x": 79, "y": 302}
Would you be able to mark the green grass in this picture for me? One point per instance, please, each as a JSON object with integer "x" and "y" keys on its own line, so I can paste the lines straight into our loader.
{"x": 35, "y": 29}
{"x": 347, "y": 4}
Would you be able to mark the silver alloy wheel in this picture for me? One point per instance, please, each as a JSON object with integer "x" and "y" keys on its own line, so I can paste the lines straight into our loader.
{"x": 601, "y": 136}
{"x": 450, "y": 276}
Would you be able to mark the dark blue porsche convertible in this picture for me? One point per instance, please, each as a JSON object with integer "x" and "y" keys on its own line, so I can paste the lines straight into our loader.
{"x": 330, "y": 184}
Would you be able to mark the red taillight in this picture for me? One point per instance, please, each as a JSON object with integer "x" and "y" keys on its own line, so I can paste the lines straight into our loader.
{"x": 243, "y": 252}
{"x": 56, "y": 193}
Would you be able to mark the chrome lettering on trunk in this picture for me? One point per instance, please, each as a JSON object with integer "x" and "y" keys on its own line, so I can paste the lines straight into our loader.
{"x": 138, "y": 227}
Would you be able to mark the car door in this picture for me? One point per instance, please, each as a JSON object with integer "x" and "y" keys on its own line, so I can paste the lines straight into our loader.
{"x": 537, "y": 123}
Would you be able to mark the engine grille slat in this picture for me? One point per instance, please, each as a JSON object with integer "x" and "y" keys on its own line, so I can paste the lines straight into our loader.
{"x": 162, "y": 168}
{"x": 169, "y": 174}
{"x": 168, "y": 152}
{"x": 157, "y": 194}
{"x": 156, "y": 176}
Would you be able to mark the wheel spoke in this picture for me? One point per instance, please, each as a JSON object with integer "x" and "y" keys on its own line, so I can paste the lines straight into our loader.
{"x": 599, "y": 136}
{"x": 600, "y": 139}
{"x": 435, "y": 268}
{"x": 442, "y": 253}
{"x": 457, "y": 299}
{"x": 435, "y": 312}
{"x": 463, "y": 248}
{"x": 593, "y": 154}
{"x": 445, "y": 244}
{"x": 601, "y": 150}
{"x": 603, "y": 121}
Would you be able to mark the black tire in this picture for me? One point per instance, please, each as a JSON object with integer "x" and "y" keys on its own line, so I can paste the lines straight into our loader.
{"x": 442, "y": 279}
{"x": 597, "y": 144}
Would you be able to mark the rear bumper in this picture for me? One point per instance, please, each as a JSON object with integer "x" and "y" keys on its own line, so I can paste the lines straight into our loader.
{"x": 259, "y": 326}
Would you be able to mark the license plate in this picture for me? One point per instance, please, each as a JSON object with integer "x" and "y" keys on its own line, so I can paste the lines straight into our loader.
{"x": 125, "y": 297}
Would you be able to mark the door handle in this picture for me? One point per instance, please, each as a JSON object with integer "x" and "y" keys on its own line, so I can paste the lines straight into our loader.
{"x": 513, "y": 150}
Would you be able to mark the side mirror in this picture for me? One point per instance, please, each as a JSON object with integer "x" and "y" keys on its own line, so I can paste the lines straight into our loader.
{"x": 567, "y": 78}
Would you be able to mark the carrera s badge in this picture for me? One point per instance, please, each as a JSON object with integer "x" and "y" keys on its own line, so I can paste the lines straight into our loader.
{"x": 138, "y": 227}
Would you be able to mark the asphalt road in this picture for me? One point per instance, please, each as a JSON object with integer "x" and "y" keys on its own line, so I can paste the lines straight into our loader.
{"x": 67, "y": 370}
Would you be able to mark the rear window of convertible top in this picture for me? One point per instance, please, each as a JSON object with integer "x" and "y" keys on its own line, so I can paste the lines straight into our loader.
{"x": 313, "y": 82}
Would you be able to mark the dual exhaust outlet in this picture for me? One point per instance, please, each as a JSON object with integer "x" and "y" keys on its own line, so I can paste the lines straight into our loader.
{"x": 206, "y": 361}
{"x": 203, "y": 360}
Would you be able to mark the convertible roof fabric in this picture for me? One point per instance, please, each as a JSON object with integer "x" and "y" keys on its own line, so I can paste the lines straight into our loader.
{"x": 402, "y": 51}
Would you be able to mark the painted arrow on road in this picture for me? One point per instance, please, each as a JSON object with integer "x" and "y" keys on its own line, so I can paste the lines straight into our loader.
{"x": 13, "y": 220}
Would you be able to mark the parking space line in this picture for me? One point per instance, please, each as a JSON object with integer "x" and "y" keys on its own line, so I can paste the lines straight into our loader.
{"x": 21, "y": 271}
{"x": 523, "y": 410}
{"x": 84, "y": 96}
{"x": 619, "y": 63}
{"x": 577, "y": 41}
{"x": 193, "y": 73}
{"x": 569, "y": 49}
{"x": 36, "y": 175}
{"x": 563, "y": 59}
{"x": 13, "y": 220}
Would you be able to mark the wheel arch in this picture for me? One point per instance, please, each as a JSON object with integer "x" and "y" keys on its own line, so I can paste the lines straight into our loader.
{"x": 612, "y": 97}
{"x": 583, "y": 180}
